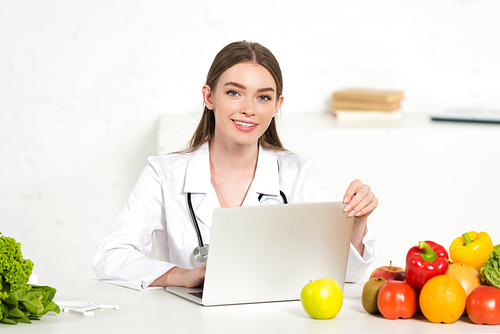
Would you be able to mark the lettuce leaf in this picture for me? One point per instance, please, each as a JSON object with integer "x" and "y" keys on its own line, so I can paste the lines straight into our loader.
{"x": 491, "y": 269}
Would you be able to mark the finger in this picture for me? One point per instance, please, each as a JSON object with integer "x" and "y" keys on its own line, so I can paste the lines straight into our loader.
{"x": 361, "y": 193}
{"x": 202, "y": 269}
{"x": 364, "y": 201}
{"x": 352, "y": 190}
{"x": 198, "y": 275}
{"x": 367, "y": 209}
{"x": 360, "y": 202}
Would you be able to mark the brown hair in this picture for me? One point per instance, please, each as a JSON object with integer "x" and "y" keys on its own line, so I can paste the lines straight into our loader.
{"x": 230, "y": 55}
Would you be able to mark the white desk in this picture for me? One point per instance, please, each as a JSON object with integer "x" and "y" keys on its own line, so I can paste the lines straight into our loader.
{"x": 157, "y": 311}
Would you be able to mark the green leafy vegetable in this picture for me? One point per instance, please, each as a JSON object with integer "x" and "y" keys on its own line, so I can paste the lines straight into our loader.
{"x": 20, "y": 301}
{"x": 491, "y": 269}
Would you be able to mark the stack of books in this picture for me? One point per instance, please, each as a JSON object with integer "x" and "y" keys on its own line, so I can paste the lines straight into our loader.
{"x": 366, "y": 104}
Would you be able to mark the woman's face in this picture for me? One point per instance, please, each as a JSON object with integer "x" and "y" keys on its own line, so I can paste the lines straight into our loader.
{"x": 244, "y": 102}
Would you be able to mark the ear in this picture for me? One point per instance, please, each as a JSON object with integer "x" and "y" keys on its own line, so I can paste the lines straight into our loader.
{"x": 207, "y": 96}
{"x": 278, "y": 104}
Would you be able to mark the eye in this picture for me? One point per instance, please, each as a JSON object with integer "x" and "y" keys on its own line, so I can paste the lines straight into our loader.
{"x": 265, "y": 98}
{"x": 232, "y": 93}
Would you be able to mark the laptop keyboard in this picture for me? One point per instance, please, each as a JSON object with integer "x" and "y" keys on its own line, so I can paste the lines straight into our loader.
{"x": 197, "y": 294}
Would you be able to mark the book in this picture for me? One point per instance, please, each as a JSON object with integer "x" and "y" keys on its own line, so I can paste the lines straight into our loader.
{"x": 366, "y": 115}
{"x": 369, "y": 95}
{"x": 364, "y": 105}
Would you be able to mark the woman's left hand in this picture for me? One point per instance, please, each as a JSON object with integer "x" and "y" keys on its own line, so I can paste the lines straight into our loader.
{"x": 359, "y": 200}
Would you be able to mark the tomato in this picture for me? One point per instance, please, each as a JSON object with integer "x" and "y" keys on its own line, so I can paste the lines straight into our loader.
{"x": 397, "y": 299}
{"x": 483, "y": 305}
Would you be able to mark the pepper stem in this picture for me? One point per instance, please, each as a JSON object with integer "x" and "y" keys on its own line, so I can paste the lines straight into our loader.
{"x": 428, "y": 254}
{"x": 466, "y": 239}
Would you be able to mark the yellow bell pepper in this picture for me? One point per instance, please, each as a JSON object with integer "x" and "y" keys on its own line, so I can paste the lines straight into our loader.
{"x": 471, "y": 248}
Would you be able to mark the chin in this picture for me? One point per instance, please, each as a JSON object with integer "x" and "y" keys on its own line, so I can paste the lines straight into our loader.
{"x": 245, "y": 140}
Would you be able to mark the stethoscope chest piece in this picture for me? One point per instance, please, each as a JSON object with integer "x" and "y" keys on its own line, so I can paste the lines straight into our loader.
{"x": 200, "y": 254}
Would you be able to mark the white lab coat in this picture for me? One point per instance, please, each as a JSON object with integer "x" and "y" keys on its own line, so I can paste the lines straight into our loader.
{"x": 158, "y": 204}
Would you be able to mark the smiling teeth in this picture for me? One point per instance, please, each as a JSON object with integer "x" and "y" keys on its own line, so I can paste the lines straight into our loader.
{"x": 246, "y": 125}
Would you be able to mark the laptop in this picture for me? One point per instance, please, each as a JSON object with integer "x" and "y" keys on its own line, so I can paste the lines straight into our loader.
{"x": 268, "y": 253}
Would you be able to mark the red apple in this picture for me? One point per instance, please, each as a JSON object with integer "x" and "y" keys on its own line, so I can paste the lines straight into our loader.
{"x": 390, "y": 273}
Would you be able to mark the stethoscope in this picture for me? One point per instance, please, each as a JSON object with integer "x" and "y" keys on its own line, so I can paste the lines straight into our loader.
{"x": 200, "y": 252}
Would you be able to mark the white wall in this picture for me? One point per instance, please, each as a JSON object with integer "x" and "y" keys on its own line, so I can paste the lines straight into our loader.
{"x": 83, "y": 84}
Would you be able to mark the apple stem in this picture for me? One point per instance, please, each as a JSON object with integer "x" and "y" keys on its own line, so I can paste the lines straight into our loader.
{"x": 390, "y": 265}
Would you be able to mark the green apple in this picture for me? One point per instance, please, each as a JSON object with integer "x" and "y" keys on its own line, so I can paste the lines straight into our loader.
{"x": 322, "y": 298}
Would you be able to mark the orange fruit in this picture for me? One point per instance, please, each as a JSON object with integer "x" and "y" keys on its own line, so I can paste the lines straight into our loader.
{"x": 442, "y": 299}
{"x": 467, "y": 275}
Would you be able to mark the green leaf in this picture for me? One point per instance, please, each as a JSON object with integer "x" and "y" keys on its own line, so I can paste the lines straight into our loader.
{"x": 3, "y": 310}
{"x": 14, "y": 312}
{"x": 51, "y": 307}
{"x": 25, "y": 320}
{"x": 491, "y": 269}
{"x": 48, "y": 293}
{"x": 9, "y": 321}
{"x": 31, "y": 294}
{"x": 11, "y": 300}
{"x": 34, "y": 306}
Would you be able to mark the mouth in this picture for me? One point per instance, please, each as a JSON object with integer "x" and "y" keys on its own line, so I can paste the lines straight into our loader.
{"x": 244, "y": 124}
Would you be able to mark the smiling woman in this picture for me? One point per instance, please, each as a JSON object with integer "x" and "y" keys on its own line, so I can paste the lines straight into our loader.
{"x": 234, "y": 158}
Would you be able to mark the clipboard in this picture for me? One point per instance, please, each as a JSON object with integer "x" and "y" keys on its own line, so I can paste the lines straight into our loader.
{"x": 468, "y": 115}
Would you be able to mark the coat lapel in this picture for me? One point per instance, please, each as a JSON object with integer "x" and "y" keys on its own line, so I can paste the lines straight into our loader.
{"x": 198, "y": 183}
{"x": 266, "y": 180}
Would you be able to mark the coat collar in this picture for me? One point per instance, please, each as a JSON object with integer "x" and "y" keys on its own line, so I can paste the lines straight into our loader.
{"x": 266, "y": 179}
{"x": 198, "y": 182}
{"x": 198, "y": 172}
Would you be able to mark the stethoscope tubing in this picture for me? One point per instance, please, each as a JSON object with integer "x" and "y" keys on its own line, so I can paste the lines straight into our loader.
{"x": 282, "y": 196}
{"x": 194, "y": 220}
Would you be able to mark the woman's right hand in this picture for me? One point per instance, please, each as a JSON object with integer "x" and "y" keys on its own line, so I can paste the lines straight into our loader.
{"x": 190, "y": 278}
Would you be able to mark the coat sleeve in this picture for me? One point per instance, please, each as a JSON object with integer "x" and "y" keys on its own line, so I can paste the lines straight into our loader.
{"x": 122, "y": 256}
{"x": 357, "y": 265}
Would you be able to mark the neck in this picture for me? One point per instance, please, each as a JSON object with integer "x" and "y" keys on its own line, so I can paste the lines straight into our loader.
{"x": 230, "y": 158}
{"x": 232, "y": 171}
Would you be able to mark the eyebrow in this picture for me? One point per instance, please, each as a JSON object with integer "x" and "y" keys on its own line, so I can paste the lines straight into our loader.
{"x": 240, "y": 86}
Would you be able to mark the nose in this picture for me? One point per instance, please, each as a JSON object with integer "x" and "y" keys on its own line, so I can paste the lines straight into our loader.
{"x": 247, "y": 109}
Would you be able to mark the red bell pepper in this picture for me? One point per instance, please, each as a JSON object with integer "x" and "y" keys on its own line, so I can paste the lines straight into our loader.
{"x": 423, "y": 262}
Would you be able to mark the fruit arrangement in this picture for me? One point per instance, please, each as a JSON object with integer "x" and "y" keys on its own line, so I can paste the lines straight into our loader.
{"x": 442, "y": 287}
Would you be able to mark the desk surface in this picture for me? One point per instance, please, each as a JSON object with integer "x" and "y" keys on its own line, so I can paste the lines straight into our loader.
{"x": 159, "y": 311}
